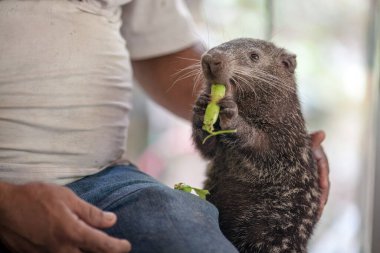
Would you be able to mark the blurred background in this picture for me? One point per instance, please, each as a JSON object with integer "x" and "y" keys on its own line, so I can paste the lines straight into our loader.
{"x": 337, "y": 47}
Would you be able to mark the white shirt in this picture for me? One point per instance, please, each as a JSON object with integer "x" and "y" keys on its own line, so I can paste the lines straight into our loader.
{"x": 66, "y": 80}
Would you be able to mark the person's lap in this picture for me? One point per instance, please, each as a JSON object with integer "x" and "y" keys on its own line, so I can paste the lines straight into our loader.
{"x": 152, "y": 216}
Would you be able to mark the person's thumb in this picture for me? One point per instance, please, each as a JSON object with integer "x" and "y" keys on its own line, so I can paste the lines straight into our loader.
{"x": 317, "y": 138}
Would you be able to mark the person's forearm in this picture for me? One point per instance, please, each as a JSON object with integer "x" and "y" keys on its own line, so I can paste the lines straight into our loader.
{"x": 158, "y": 78}
{"x": 3, "y": 191}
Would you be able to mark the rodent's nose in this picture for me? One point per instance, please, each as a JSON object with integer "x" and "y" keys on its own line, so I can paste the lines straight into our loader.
{"x": 212, "y": 64}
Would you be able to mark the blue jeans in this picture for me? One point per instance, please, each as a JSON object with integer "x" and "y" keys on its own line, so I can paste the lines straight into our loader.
{"x": 152, "y": 216}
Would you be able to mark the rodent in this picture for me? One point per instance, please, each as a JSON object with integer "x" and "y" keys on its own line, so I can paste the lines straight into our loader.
{"x": 263, "y": 178}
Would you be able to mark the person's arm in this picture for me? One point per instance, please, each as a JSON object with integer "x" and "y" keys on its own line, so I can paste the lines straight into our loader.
{"x": 39, "y": 217}
{"x": 157, "y": 76}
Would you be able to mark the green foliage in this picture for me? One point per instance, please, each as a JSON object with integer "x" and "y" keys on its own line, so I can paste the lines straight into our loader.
{"x": 187, "y": 188}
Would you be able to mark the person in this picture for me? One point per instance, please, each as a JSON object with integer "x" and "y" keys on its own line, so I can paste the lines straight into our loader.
{"x": 65, "y": 91}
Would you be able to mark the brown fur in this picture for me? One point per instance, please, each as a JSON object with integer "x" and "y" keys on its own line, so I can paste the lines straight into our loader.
{"x": 263, "y": 179}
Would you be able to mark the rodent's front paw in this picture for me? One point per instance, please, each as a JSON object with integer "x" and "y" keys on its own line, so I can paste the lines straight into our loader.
{"x": 201, "y": 103}
{"x": 200, "y": 108}
{"x": 228, "y": 113}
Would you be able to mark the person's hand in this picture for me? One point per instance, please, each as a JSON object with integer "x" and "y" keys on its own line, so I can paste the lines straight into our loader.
{"x": 323, "y": 167}
{"x": 38, "y": 217}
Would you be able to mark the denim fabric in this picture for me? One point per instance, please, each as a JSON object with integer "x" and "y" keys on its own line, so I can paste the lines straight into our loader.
{"x": 152, "y": 216}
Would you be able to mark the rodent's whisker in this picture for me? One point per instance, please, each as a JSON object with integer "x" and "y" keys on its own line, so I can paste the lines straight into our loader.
{"x": 186, "y": 75}
{"x": 280, "y": 86}
{"x": 271, "y": 78}
{"x": 245, "y": 79}
{"x": 192, "y": 70}
{"x": 197, "y": 81}
{"x": 189, "y": 59}
{"x": 191, "y": 67}
{"x": 238, "y": 86}
{"x": 261, "y": 78}
{"x": 276, "y": 80}
{"x": 267, "y": 78}
{"x": 247, "y": 83}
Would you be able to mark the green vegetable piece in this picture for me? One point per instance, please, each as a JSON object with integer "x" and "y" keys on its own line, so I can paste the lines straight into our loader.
{"x": 187, "y": 188}
{"x": 218, "y": 91}
{"x": 183, "y": 187}
{"x": 201, "y": 193}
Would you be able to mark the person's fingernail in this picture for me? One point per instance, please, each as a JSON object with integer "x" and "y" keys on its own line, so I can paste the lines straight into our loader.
{"x": 109, "y": 215}
{"x": 128, "y": 245}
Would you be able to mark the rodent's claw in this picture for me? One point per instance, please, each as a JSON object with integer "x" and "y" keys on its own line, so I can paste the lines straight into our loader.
{"x": 201, "y": 104}
{"x": 227, "y": 102}
{"x": 203, "y": 100}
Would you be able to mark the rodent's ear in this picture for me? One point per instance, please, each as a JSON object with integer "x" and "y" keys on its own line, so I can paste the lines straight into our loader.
{"x": 289, "y": 61}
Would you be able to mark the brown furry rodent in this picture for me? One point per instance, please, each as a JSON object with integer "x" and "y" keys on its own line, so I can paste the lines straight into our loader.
{"x": 263, "y": 179}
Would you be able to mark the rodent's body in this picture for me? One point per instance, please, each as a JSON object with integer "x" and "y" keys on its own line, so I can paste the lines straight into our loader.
{"x": 263, "y": 179}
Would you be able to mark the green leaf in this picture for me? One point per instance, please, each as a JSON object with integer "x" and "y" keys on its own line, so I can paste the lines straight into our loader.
{"x": 201, "y": 193}
{"x": 183, "y": 187}
{"x": 187, "y": 188}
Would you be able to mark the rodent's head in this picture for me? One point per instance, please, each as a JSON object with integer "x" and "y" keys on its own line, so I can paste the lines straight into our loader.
{"x": 249, "y": 64}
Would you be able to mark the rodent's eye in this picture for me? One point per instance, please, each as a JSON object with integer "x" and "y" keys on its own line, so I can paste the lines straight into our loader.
{"x": 254, "y": 57}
